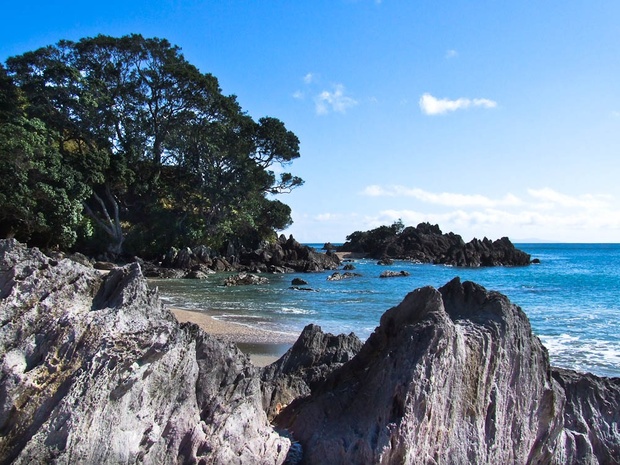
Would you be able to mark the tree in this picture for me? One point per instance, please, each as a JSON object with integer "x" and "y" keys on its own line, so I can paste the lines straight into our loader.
{"x": 154, "y": 138}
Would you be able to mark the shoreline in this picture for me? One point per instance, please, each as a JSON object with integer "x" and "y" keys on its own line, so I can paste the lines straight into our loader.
{"x": 262, "y": 346}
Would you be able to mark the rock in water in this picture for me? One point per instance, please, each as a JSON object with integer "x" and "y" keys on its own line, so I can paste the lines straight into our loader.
{"x": 95, "y": 370}
{"x": 454, "y": 376}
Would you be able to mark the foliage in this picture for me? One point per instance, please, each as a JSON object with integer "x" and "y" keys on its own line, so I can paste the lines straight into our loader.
{"x": 165, "y": 157}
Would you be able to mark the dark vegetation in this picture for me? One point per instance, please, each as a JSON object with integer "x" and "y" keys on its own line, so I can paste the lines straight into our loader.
{"x": 427, "y": 244}
{"x": 120, "y": 146}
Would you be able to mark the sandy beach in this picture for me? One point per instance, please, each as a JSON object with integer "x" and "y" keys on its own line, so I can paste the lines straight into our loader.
{"x": 263, "y": 347}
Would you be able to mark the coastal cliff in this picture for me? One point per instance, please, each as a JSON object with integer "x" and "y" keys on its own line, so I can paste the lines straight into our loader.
{"x": 93, "y": 369}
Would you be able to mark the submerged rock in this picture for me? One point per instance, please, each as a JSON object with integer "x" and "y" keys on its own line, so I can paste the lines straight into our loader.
{"x": 456, "y": 376}
{"x": 94, "y": 370}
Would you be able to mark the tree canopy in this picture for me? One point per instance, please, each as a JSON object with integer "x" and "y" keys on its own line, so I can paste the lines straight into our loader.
{"x": 122, "y": 139}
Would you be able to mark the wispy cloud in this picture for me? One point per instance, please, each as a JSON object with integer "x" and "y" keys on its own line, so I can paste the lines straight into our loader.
{"x": 451, "y": 54}
{"x": 542, "y": 212}
{"x": 549, "y": 198}
{"x": 334, "y": 100}
{"x": 299, "y": 95}
{"x": 447, "y": 199}
{"x": 309, "y": 78}
{"x": 433, "y": 106}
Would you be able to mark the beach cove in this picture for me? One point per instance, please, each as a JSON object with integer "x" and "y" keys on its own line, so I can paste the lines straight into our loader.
{"x": 570, "y": 299}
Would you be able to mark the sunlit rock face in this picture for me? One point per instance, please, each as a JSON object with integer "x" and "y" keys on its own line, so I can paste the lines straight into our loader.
{"x": 454, "y": 375}
{"x": 95, "y": 370}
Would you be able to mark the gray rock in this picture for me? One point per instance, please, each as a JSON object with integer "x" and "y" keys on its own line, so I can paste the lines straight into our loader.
{"x": 337, "y": 276}
{"x": 455, "y": 376}
{"x": 394, "y": 274}
{"x": 245, "y": 279}
{"x": 94, "y": 370}
{"x": 314, "y": 355}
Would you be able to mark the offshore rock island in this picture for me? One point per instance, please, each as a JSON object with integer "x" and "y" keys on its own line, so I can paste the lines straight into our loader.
{"x": 94, "y": 369}
{"x": 427, "y": 244}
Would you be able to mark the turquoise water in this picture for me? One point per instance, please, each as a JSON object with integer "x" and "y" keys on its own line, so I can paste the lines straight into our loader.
{"x": 571, "y": 298}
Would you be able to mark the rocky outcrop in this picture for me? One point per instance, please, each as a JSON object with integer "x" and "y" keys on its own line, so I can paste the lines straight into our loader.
{"x": 455, "y": 376}
{"x": 287, "y": 255}
{"x": 337, "y": 276}
{"x": 591, "y": 419}
{"x": 245, "y": 279}
{"x": 427, "y": 244}
{"x": 94, "y": 370}
{"x": 283, "y": 256}
{"x": 308, "y": 362}
{"x": 394, "y": 274}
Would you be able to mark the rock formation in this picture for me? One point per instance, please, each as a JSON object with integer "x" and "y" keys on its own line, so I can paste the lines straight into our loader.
{"x": 394, "y": 274}
{"x": 245, "y": 279}
{"x": 427, "y": 244}
{"x": 283, "y": 256}
{"x": 455, "y": 376}
{"x": 287, "y": 255}
{"x": 94, "y": 370}
{"x": 337, "y": 276}
{"x": 309, "y": 361}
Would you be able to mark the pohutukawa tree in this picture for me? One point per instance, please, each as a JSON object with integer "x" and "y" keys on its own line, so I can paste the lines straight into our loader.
{"x": 162, "y": 158}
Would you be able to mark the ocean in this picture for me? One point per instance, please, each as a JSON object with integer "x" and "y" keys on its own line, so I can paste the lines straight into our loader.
{"x": 572, "y": 299}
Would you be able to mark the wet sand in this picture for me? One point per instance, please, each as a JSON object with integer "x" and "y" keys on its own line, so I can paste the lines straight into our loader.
{"x": 263, "y": 347}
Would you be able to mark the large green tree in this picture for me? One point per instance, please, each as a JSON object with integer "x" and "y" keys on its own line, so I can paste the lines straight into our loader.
{"x": 157, "y": 142}
{"x": 40, "y": 199}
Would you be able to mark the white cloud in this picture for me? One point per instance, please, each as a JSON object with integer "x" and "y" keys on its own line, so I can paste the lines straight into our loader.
{"x": 336, "y": 101}
{"x": 322, "y": 217}
{"x": 309, "y": 78}
{"x": 451, "y": 54}
{"x": 433, "y": 106}
{"x": 444, "y": 198}
{"x": 553, "y": 199}
{"x": 298, "y": 95}
{"x": 543, "y": 213}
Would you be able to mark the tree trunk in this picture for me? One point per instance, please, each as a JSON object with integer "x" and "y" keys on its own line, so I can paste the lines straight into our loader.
{"x": 108, "y": 221}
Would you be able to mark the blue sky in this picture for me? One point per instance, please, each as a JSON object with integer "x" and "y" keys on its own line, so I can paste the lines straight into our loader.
{"x": 489, "y": 118}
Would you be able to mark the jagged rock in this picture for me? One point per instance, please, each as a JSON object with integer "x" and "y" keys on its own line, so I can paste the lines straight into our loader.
{"x": 455, "y": 376}
{"x": 197, "y": 274}
{"x": 299, "y": 282}
{"x": 427, "y": 244}
{"x": 385, "y": 262}
{"x": 591, "y": 419}
{"x": 203, "y": 253}
{"x": 94, "y": 370}
{"x": 151, "y": 270}
{"x": 337, "y": 276}
{"x": 220, "y": 264}
{"x": 314, "y": 355}
{"x": 348, "y": 267}
{"x": 289, "y": 254}
{"x": 393, "y": 274}
{"x": 245, "y": 279}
